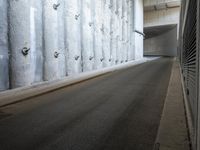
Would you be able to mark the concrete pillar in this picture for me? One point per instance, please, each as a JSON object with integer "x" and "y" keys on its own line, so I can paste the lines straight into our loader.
{"x": 97, "y": 36}
{"x": 113, "y": 28}
{"x": 138, "y": 26}
{"x": 121, "y": 48}
{"x": 73, "y": 17}
{"x": 106, "y": 33}
{"x": 132, "y": 32}
{"x": 124, "y": 31}
{"x": 51, "y": 48}
{"x": 37, "y": 39}
{"x": 4, "y": 58}
{"x": 119, "y": 31}
{"x": 61, "y": 38}
{"x": 129, "y": 52}
{"x": 87, "y": 35}
{"x": 22, "y": 43}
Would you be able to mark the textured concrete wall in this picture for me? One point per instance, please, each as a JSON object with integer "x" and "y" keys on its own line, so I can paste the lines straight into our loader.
{"x": 161, "y": 17}
{"x": 22, "y": 37}
{"x": 162, "y": 45}
{"x": 132, "y": 30}
{"x": 52, "y": 39}
{"x": 37, "y": 31}
{"x": 87, "y": 35}
{"x": 4, "y": 80}
{"x": 61, "y": 37}
{"x": 120, "y": 28}
{"x": 73, "y": 36}
{"x": 97, "y": 36}
{"x": 139, "y": 18}
{"x": 113, "y": 33}
{"x": 106, "y": 33}
{"x": 52, "y": 53}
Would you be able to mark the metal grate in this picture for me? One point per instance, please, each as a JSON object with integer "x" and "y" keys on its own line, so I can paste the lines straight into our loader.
{"x": 188, "y": 47}
{"x": 189, "y": 55}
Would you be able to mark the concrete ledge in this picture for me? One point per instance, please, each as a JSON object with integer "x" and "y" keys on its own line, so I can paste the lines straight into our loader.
{"x": 173, "y": 131}
{"x": 20, "y": 94}
{"x": 188, "y": 113}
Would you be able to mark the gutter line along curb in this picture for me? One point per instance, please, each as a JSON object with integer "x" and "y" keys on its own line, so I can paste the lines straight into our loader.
{"x": 20, "y": 94}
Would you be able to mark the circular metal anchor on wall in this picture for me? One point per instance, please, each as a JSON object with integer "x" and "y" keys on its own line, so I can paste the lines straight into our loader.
{"x": 77, "y": 16}
{"x": 102, "y": 30}
{"x": 91, "y": 57}
{"x": 56, "y": 54}
{"x": 77, "y": 57}
{"x": 55, "y": 6}
{"x": 25, "y": 51}
{"x": 110, "y": 6}
{"x": 91, "y": 23}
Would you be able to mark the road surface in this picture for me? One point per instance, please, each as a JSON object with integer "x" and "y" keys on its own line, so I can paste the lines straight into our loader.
{"x": 116, "y": 111}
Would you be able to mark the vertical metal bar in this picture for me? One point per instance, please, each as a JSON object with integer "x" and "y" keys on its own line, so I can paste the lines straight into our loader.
{"x": 198, "y": 59}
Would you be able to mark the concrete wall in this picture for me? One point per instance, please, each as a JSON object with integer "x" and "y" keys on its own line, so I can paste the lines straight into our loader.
{"x": 49, "y": 40}
{"x": 4, "y": 58}
{"x": 162, "y": 45}
{"x": 22, "y": 38}
{"x": 73, "y": 36}
{"x": 161, "y": 20}
{"x": 138, "y": 25}
{"x": 161, "y": 17}
{"x": 156, "y": 2}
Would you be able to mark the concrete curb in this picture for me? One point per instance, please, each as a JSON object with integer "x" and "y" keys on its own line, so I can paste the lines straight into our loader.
{"x": 173, "y": 132}
{"x": 20, "y": 94}
{"x": 188, "y": 112}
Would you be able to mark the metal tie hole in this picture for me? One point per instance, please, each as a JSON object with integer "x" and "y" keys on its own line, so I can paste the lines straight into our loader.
{"x": 55, "y": 6}
{"x": 77, "y": 57}
{"x": 25, "y": 51}
{"x": 91, "y": 57}
{"x": 56, "y": 54}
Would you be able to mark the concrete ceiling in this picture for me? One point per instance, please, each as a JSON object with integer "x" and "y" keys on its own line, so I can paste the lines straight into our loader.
{"x": 162, "y": 5}
{"x": 157, "y": 30}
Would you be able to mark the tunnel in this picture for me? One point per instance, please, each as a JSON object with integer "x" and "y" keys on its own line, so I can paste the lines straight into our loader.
{"x": 99, "y": 75}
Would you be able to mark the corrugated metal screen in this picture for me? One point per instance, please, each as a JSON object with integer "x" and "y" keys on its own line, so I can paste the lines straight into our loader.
{"x": 189, "y": 55}
{"x": 189, "y": 58}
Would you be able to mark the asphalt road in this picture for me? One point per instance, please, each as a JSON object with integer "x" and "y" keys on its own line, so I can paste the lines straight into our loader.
{"x": 117, "y": 111}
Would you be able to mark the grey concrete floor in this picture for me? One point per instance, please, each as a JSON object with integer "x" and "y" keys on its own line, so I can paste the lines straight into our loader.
{"x": 117, "y": 111}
